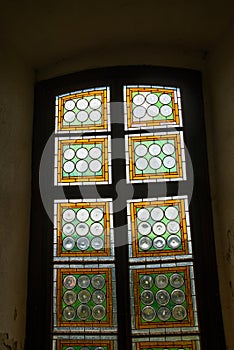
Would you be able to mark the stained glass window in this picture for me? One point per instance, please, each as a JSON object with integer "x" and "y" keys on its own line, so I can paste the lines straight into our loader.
{"x": 119, "y": 264}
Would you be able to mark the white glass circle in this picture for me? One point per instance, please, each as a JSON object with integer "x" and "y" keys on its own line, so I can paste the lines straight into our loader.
{"x": 153, "y": 111}
{"x": 168, "y": 149}
{"x": 96, "y": 229}
{"x": 138, "y": 99}
{"x": 161, "y": 281}
{"x": 96, "y": 214}
{"x": 68, "y": 229}
{"x": 147, "y": 297}
{"x": 146, "y": 281}
{"x": 82, "y": 153}
{"x": 171, "y": 213}
{"x": 95, "y": 103}
{"x": 84, "y": 296}
{"x": 95, "y": 166}
{"x": 176, "y": 280}
{"x": 83, "y": 243}
{"x": 83, "y": 312}
{"x": 69, "y": 105}
{"x": 68, "y": 167}
{"x": 98, "y": 281}
{"x": 179, "y": 312}
{"x": 95, "y": 152}
{"x": 97, "y": 243}
{"x": 69, "y": 282}
{"x": 83, "y": 281}
{"x": 173, "y": 241}
{"x": 152, "y": 98}
{"x": 82, "y": 215}
{"x": 141, "y": 163}
{"x": 144, "y": 228}
{"x": 68, "y": 243}
{"x": 82, "y": 166}
{"x": 95, "y": 116}
{"x": 82, "y": 103}
{"x": 82, "y": 229}
{"x": 143, "y": 214}
{"x": 164, "y": 313}
{"x": 169, "y": 162}
{"x": 148, "y": 313}
{"x": 139, "y": 112}
{"x": 159, "y": 243}
{"x": 69, "y": 215}
{"x": 69, "y": 154}
{"x": 98, "y": 312}
{"x": 141, "y": 150}
{"x": 69, "y": 117}
{"x": 82, "y": 116}
{"x": 155, "y": 163}
{"x": 157, "y": 214}
{"x": 162, "y": 297}
{"x": 69, "y": 313}
{"x": 159, "y": 228}
{"x": 98, "y": 296}
{"x": 165, "y": 98}
{"x": 145, "y": 243}
{"x": 178, "y": 296}
{"x": 154, "y": 149}
{"x": 69, "y": 297}
{"x": 166, "y": 111}
{"x": 173, "y": 227}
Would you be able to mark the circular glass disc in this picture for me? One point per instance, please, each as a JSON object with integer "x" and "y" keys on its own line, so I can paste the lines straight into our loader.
{"x": 68, "y": 243}
{"x": 95, "y": 152}
{"x": 98, "y": 281}
{"x": 98, "y": 312}
{"x": 68, "y": 229}
{"x": 69, "y": 215}
{"x": 161, "y": 281}
{"x": 159, "y": 243}
{"x": 69, "y": 297}
{"x": 157, "y": 214}
{"x": 68, "y": 167}
{"x": 81, "y": 166}
{"x": 173, "y": 227}
{"x": 176, "y": 280}
{"x": 179, "y": 312}
{"x": 95, "y": 166}
{"x": 148, "y": 313}
{"x": 155, "y": 163}
{"x": 143, "y": 214}
{"x": 83, "y": 281}
{"x": 147, "y": 297}
{"x": 162, "y": 297}
{"x": 69, "y": 282}
{"x": 152, "y": 98}
{"x": 69, "y": 117}
{"x": 82, "y": 153}
{"x": 82, "y": 103}
{"x": 159, "y": 228}
{"x": 145, "y": 243}
{"x": 138, "y": 99}
{"x": 166, "y": 111}
{"x": 82, "y": 116}
{"x": 95, "y": 116}
{"x": 164, "y": 313}
{"x": 174, "y": 241}
{"x": 171, "y": 213}
{"x": 144, "y": 228}
{"x": 69, "y": 105}
{"x": 98, "y": 296}
{"x": 83, "y": 243}
{"x": 84, "y": 296}
{"x": 146, "y": 281}
{"x": 169, "y": 162}
{"x": 95, "y": 103}
{"x": 154, "y": 149}
{"x": 165, "y": 98}
{"x": 96, "y": 214}
{"x": 178, "y": 296}
{"x": 83, "y": 312}
{"x": 69, "y": 154}
{"x": 153, "y": 111}
{"x": 69, "y": 313}
{"x": 141, "y": 163}
{"x": 97, "y": 243}
{"x": 82, "y": 229}
{"x": 141, "y": 150}
{"x": 96, "y": 229}
{"x": 168, "y": 149}
{"x": 139, "y": 112}
{"x": 82, "y": 215}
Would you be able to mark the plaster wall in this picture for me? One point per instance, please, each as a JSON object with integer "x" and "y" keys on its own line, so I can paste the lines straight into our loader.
{"x": 16, "y": 110}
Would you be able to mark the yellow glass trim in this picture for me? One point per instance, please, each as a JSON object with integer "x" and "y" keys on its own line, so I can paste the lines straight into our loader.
{"x": 109, "y": 304}
{"x": 92, "y": 126}
{"x": 101, "y": 178}
{"x": 107, "y": 242}
{"x": 188, "y": 296}
{"x": 166, "y": 175}
{"x": 157, "y": 122}
{"x": 184, "y": 237}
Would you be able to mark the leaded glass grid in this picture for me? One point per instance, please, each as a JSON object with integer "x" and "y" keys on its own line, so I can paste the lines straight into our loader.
{"x": 148, "y": 106}
{"x": 156, "y": 157}
{"x": 94, "y": 342}
{"x": 84, "y": 110}
{"x": 159, "y": 229}
{"x": 84, "y": 299}
{"x": 191, "y": 342}
{"x": 82, "y": 160}
{"x": 163, "y": 299}
{"x": 83, "y": 230}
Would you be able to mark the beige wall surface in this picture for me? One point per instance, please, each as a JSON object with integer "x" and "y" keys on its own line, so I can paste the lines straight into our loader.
{"x": 16, "y": 110}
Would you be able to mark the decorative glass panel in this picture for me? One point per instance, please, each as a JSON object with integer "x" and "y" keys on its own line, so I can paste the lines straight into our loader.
{"x": 163, "y": 298}
{"x": 155, "y": 157}
{"x": 83, "y": 230}
{"x": 84, "y": 298}
{"x": 82, "y": 161}
{"x": 167, "y": 343}
{"x": 152, "y": 107}
{"x": 85, "y": 110}
{"x": 84, "y": 342}
{"x": 159, "y": 229}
